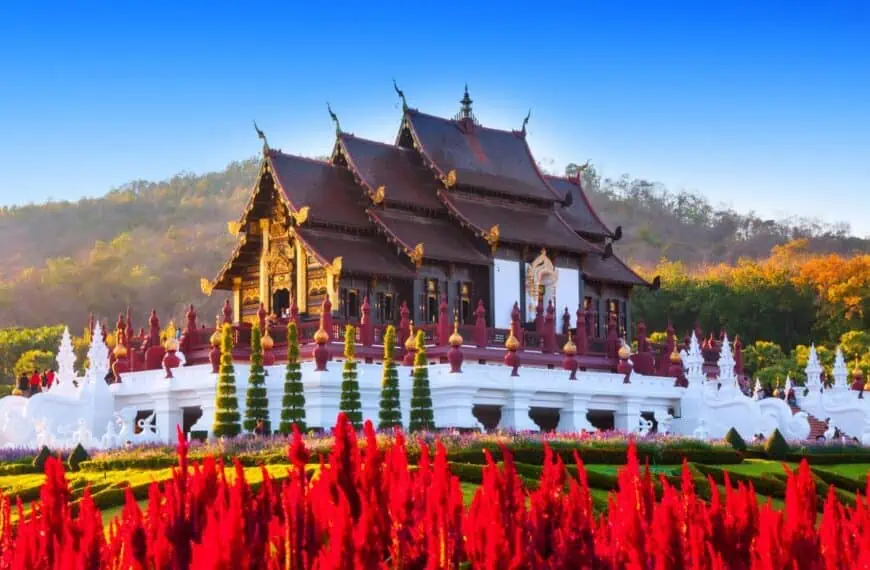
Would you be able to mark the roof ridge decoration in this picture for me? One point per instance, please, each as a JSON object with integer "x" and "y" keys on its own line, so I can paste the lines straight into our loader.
{"x": 378, "y": 195}
{"x": 401, "y": 95}
{"x": 334, "y": 118}
{"x": 262, "y": 136}
{"x": 301, "y": 215}
{"x": 416, "y": 255}
{"x": 492, "y": 237}
{"x": 526, "y": 122}
{"x": 450, "y": 180}
{"x": 466, "y": 114}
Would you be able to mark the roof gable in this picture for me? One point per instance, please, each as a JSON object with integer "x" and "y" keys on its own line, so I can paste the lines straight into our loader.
{"x": 580, "y": 215}
{"x": 480, "y": 157}
{"x": 326, "y": 189}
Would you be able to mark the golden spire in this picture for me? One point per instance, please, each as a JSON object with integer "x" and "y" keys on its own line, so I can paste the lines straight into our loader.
{"x": 171, "y": 342}
{"x": 570, "y": 348}
{"x": 455, "y": 339}
{"x": 267, "y": 342}
{"x": 512, "y": 343}
{"x": 624, "y": 351}
{"x": 216, "y": 335}
{"x": 411, "y": 341}
{"x": 675, "y": 357}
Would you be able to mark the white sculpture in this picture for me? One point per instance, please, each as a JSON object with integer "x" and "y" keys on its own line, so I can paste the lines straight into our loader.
{"x": 701, "y": 431}
{"x": 664, "y": 422}
{"x": 813, "y": 370}
{"x": 841, "y": 373}
{"x": 727, "y": 377}
{"x": 66, "y": 362}
{"x": 831, "y": 432}
{"x": 758, "y": 391}
{"x": 110, "y": 438}
{"x": 693, "y": 361}
{"x": 644, "y": 426}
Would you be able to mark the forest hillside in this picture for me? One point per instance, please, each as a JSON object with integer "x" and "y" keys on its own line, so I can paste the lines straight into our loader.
{"x": 146, "y": 245}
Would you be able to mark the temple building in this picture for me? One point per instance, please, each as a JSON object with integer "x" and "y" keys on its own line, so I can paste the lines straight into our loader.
{"x": 452, "y": 210}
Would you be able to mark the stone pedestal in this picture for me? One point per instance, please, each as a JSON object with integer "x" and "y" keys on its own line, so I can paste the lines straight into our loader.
{"x": 515, "y": 413}
{"x": 572, "y": 418}
{"x": 168, "y": 418}
{"x": 627, "y": 416}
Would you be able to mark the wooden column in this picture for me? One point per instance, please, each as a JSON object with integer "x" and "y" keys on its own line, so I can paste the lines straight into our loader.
{"x": 237, "y": 300}
{"x": 301, "y": 277}
{"x": 265, "y": 292}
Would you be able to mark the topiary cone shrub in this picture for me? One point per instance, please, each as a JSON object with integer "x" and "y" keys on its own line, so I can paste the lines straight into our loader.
{"x": 735, "y": 440}
{"x": 256, "y": 400}
{"x": 390, "y": 413}
{"x": 226, "y": 413}
{"x": 350, "y": 402}
{"x": 293, "y": 402}
{"x": 77, "y": 456}
{"x": 776, "y": 447}
{"x": 422, "y": 417}
{"x": 41, "y": 457}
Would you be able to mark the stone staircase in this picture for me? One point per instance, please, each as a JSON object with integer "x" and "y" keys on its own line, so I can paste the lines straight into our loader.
{"x": 817, "y": 426}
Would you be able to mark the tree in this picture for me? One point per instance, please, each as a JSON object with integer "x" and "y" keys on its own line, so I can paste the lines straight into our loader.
{"x": 350, "y": 400}
{"x": 390, "y": 414}
{"x": 422, "y": 417}
{"x": 35, "y": 360}
{"x": 293, "y": 403}
{"x": 256, "y": 400}
{"x": 226, "y": 413}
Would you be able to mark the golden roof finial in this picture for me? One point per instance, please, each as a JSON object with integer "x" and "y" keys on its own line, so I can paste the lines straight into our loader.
{"x": 379, "y": 195}
{"x": 416, "y": 255}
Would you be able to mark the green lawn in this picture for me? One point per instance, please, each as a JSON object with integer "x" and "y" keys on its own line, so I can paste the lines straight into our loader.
{"x": 856, "y": 471}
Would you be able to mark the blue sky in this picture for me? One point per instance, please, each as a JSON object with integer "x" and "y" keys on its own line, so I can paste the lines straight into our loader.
{"x": 761, "y": 106}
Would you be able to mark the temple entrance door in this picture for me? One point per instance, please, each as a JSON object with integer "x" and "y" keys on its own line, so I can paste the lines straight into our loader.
{"x": 280, "y": 301}
{"x": 547, "y": 288}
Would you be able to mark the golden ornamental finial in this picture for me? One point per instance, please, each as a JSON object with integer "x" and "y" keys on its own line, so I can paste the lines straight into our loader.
{"x": 455, "y": 339}
{"x": 624, "y": 351}
{"x": 267, "y": 342}
{"x": 512, "y": 343}
{"x": 417, "y": 255}
{"x": 216, "y": 335}
{"x": 301, "y": 215}
{"x": 492, "y": 236}
{"x": 320, "y": 337}
{"x": 120, "y": 351}
{"x": 675, "y": 357}
{"x": 379, "y": 195}
{"x": 234, "y": 228}
{"x": 206, "y": 286}
{"x": 411, "y": 341}
{"x": 337, "y": 264}
{"x": 450, "y": 179}
{"x": 570, "y": 348}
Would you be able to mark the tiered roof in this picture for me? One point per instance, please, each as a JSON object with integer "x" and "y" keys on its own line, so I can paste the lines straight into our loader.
{"x": 447, "y": 191}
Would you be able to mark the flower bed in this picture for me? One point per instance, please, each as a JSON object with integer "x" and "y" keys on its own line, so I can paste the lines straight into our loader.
{"x": 367, "y": 508}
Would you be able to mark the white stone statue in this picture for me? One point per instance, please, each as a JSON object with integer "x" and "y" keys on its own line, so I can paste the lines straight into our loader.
{"x": 814, "y": 370}
{"x": 726, "y": 364}
{"x": 701, "y": 431}
{"x": 644, "y": 426}
{"x": 758, "y": 391}
{"x": 831, "y": 432}
{"x": 841, "y": 373}
{"x": 664, "y": 421}
{"x": 110, "y": 438}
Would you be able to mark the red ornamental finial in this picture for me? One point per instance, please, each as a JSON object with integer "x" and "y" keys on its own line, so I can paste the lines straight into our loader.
{"x": 191, "y": 319}
{"x": 261, "y": 317}
{"x": 119, "y": 326}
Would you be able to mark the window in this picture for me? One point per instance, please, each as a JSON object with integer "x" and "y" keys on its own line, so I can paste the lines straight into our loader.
{"x": 350, "y": 303}
{"x": 385, "y": 307}
{"x": 463, "y": 311}
{"x": 429, "y": 302}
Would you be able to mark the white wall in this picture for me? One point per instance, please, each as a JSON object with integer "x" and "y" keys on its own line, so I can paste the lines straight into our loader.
{"x": 506, "y": 290}
{"x": 567, "y": 295}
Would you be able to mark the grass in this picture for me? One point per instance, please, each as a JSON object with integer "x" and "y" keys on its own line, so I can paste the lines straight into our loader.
{"x": 856, "y": 471}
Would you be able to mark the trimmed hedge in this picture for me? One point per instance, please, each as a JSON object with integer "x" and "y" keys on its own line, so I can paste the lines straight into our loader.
{"x": 735, "y": 440}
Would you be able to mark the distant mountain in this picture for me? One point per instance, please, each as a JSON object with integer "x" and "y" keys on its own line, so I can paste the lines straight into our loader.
{"x": 146, "y": 244}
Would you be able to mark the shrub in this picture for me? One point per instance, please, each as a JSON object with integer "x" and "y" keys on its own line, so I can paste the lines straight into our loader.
{"x": 390, "y": 414}
{"x": 422, "y": 417}
{"x": 256, "y": 401}
{"x": 293, "y": 402}
{"x": 226, "y": 415}
{"x": 776, "y": 447}
{"x": 77, "y": 456}
{"x": 39, "y": 460}
{"x": 350, "y": 400}
{"x": 734, "y": 439}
